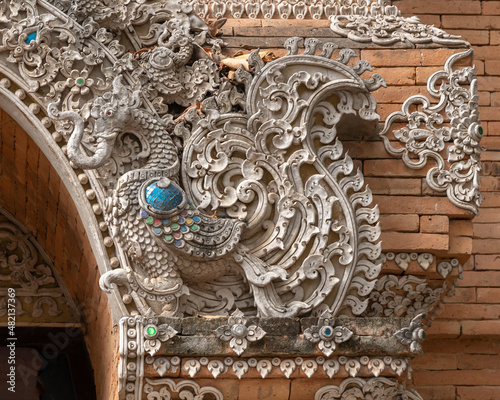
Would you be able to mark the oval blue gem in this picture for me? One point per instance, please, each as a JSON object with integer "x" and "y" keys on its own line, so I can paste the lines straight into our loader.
{"x": 184, "y": 229}
{"x": 328, "y": 331}
{"x": 196, "y": 219}
{"x": 178, "y": 242}
{"x": 158, "y": 231}
{"x": 31, "y": 37}
{"x": 163, "y": 199}
{"x": 181, "y": 220}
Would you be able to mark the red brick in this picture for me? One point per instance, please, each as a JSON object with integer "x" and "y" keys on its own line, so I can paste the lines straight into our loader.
{"x": 487, "y": 231}
{"x": 399, "y": 222}
{"x": 362, "y": 149}
{"x": 478, "y": 393}
{"x": 486, "y": 246}
{"x": 434, "y": 224}
{"x": 489, "y": 113}
{"x": 494, "y": 38}
{"x": 491, "y": 7}
{"x": 463, "y": 295}
{"x": 489, "y": 83}
{"x": 436, "y": 392}
{"x": 409, "y": 57}
{"x": 385, "y": 168}
{"x": 488, "y": 295}
{"x": 463, "y": 378}
{"x": 487, "y": 262}
{"x": 470, "y": 311}
{"x": 473, "y": 361}
{"x": 481, "y": 328}
{"x": 418, "y": 7}
{"x": 400, "y": 76}
{"x": 251, "y": 389}
{"x": 490, "y": 199}
{"x": 419, "y": 205}
{"x": 480, "y": 278}
{"x": 463, "y": 346}
{"x": 495, "y": 99}
{"x": 443, "y": 329}
{"x": 388, "y": 94}
{"x": 394, "y": 186}
{"x": 491, "y": 67}
{"x": 488, "y": 214}
{"x": 434, "y": 362}
{"x": 478, "y": 22}
{"x": 474, "y": 37}
{"x": 461, "y": 227}
{"x": 399, "y": 241}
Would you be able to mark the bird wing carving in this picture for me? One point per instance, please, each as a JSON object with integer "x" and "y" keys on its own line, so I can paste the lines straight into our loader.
{"x": 281, "y": 169}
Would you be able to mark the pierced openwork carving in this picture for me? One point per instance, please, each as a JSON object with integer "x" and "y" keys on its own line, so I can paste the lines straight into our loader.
{"x": 449, "y": 130}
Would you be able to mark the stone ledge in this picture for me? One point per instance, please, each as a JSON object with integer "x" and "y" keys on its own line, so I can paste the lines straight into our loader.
{"x": 284, "y": 337}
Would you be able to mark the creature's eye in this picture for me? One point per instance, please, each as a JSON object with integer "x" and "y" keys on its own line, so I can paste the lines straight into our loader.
{"x": 109, "y": 113}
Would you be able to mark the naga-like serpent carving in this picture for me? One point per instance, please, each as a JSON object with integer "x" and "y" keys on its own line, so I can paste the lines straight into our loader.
{"x": 288, "y": 211}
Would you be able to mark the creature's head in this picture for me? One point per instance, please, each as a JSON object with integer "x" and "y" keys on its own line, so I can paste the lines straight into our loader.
{"x": 113, "y": 110}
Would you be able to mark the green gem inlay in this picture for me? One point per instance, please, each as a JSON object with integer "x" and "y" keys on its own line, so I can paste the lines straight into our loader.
{"x": 481, "y": 132}
{"x": 80, "y": 81}
{"x": 151, "y": 331}
{"x": 194, "y": 227}
{"x": 150, "y": 220}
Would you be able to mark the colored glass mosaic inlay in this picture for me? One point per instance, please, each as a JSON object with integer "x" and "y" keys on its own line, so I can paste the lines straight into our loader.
{"x": 163, "y": 199}
{"x": 175, "y": 229}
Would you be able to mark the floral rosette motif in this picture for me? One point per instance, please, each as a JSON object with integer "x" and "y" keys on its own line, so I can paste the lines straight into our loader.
{"x": 238, "y": 334}
{"x": 154, "y": 335}
{"x": 326, "y": 334}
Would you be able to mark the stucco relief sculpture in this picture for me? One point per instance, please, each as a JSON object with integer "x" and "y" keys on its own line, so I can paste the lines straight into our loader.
{"x": 448, "y": 133}
{"x": 262, "y": 189}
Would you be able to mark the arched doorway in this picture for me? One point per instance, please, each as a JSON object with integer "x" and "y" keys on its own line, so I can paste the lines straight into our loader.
{"x": 62, "y": 327}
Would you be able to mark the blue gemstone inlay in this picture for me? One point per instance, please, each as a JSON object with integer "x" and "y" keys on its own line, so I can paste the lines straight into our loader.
{"x": 166, "y": 221}
{"x": 158, "y": 231}
{"x": 31, "y": 37}
{"x": 181, "y": 220}
{"x": 144, "y": 214}
{"x": 178, "y": 243}
{"x": 196, "y": 219}
{"x": 163, "y": 199}
{"x": 184, "y": 228}
{"x": 328, "y": 331}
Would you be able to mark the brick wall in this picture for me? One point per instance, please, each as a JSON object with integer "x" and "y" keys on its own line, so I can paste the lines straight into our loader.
{"x": 32, "y": 190}
{"x": 462, "y": 357}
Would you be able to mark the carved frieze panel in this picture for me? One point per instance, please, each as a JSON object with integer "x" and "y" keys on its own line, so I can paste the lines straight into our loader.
{"x": 27, "y": 273}
{"x": 376, "y": 389}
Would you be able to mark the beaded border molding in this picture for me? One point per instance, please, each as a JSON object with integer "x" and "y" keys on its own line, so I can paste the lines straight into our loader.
{"x": 278, "y": 367}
